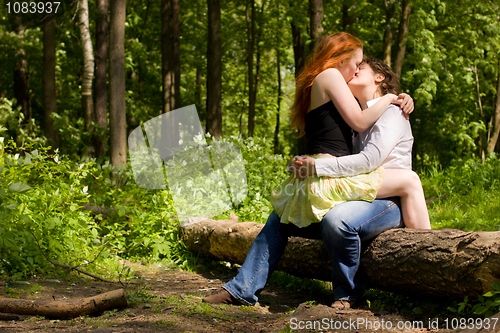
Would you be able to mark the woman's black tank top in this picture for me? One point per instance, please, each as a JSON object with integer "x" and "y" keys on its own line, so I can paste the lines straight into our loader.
{"x": 327, "y": 132}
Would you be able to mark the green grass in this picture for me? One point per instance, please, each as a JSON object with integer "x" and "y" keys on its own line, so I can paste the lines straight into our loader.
{"x": 464, "y": 196}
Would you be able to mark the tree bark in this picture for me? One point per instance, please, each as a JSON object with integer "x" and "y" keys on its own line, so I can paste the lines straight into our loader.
{"x": 348, "y": 20}
{"x": 20, "y": 70}
{"x": 170, "y": 54}
{"x": 49, "y": 83}
{"x": 214, "y": 69}
{"x": 117, "y": 114}
{"x": 278, "y": 106}
{"x": 388, "y": 33}
{"x": 170, "y": 44}
{"x": 404, "y": 23}
{"x": 437, "y": 263}
{"x": 299, "y": 57}
{"x": 250, "y": 19}
{"x": 298, "y": 49}
{"x": 100, "y": 83}
{"x": 315, "y": 20}
{"x": 65, "y": 308}
{"x": 88, "y": 68}
{"x": 496, "y": 119}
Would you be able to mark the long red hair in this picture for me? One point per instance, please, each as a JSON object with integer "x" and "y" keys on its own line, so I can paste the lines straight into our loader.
{"x": 334, "y": 49}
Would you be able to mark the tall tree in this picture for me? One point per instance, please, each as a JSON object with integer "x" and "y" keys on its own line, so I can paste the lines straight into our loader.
{"x": 49, "y": 82}
{"x": 171, "y": 67}
{"x": 348, "y": 20}
{"x": 404, "y": 23}
{"x": 278, "y": 106}
{"x": 117, "y": 114}
{"x": 88, "y": 67}
{"x": 315, "y": 21}
{"x": 250, "y": 50}
{"x": 254, "y": 46}
{"x": 21, "y": 73}
{"x": 298, "y": 41}
{"x": 495, "y": 118}
{"x": 214, "y": 69}
{"x": 390, "y": 8}
{"x": 100, "y": 81}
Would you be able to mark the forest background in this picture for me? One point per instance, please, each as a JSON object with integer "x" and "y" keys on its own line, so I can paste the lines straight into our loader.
{"x": 75, "y": 83}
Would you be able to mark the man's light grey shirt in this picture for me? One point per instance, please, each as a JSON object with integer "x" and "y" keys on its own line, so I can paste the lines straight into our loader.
{"x": 388, "y": 143}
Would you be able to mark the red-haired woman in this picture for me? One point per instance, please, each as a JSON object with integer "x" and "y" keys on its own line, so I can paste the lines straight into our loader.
{"x": 322, "y": 89}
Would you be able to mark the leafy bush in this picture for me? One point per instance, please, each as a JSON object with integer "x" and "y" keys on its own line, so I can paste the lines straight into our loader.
{"x": 264, "y": 171}
{"x": 46, "y": 203}
{"x": 40, "y": 198}
{"x": 12, "y": 124}
{"x": 78, "y": 212}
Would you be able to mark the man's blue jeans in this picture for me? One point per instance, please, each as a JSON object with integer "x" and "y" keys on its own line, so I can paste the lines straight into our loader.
{"x": 342, "y": 229}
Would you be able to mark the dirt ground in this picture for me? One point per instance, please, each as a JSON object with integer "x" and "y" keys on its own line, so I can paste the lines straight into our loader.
{"x": 169, "y": 300}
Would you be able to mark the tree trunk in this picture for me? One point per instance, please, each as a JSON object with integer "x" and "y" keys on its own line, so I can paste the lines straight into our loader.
{"x": 49, "y": 83}
{"x": 299, "y": 57}
{"x": 446, "y": 262}
{"x": 170, "y": 71}
{"x": 298, "y": 49}
{"x": 197, "y": 92}
{"x": 88, "y": 68}
{"x": 404, "y": 23}
{"x": 214, "y": 69}
{"x": 100, "y": 83}
{"x": 117, "y": 114}
{"x": 278, "y": 107}
{"x": 65, "y": 308}
{"x": 170, "y": 40}
{"x": 348, "y": 20}
{"x": 388, "y": 33}
{"x": 496, "y": 119}
{"x": 21, "y": 71}
{"x": 315, "y": 20}
{"x": 253, "y": 80}
{"x": 166, "y": 56}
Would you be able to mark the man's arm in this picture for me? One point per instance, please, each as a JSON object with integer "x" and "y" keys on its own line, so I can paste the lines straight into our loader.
{"x": 385, "y": 135}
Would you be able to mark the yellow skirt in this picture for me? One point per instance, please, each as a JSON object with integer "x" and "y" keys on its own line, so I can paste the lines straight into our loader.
{"x": 306, "y": 201}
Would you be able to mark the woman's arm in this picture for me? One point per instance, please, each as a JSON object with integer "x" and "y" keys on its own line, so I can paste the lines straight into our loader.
{"x": 384, "y": 137}
{"x": 330, "y": 84}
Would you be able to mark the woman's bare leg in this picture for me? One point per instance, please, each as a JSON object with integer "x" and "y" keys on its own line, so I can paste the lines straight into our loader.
{"x": 406, "y": 185}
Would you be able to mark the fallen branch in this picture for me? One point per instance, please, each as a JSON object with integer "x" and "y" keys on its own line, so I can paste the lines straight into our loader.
{"x": 75, "y": 268}
{"x": 65, "y": 308}
{"x": 55, "y": 263}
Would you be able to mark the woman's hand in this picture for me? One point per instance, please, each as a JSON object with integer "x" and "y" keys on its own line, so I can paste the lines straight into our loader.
{"x": 405, "y": 102}
{"x": 303, "y": 166}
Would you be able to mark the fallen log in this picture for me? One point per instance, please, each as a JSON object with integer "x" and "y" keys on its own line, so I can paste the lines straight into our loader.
{"x": 65, "y": 308}
{"x": 442, "y": 262}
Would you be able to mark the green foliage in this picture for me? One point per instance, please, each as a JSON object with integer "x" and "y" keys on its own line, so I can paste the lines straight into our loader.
{"x": 264, "y": 171}
{"x": 13, "y": 125}
{"x": 42, "y": 207}
{"x": 40, "y": 199}
{"x": 79, "y": 212}
{"x": 486, "y": 305}
{"x": 464, "y": 196}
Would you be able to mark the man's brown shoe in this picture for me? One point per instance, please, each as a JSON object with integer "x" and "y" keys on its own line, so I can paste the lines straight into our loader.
{"x": 343, "y": 304}
{"x": 221, "y": 297}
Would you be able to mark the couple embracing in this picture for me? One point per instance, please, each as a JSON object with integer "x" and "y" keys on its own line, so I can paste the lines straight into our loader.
{"x": 344, "y": 104}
